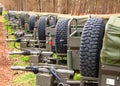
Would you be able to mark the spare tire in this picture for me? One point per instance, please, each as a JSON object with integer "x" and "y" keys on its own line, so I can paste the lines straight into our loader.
{"x": 90, "y": 46}
{"x": 31, "y": 23}
{"x": 11, "y": 14}
{"x": 52, "y": 21}
{"x": 41, "y": 28}
{"x": 61, "y": 36}
{"x": 22, "y": 19}
{"x": 1, "y": 10}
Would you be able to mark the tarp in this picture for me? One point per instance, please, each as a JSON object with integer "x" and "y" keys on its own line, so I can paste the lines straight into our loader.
{"x": 110, "y": 53}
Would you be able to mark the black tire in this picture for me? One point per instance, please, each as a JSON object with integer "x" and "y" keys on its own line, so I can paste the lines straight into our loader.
{"x": 61, "y": 36}
{"x": 22, "y": 19}
{"x": 11, "y": 14}
{"x": 41, "y": 28}
{"x": 8, "y": 15}
{"x": 52, "y": 21}
{"x": 1, "y": 10}
{"x": 90, "y": 46}
{"x": 31, "y": 23}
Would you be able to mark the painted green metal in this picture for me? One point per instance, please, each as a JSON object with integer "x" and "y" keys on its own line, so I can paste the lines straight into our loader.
{"x": 69, "y": 59}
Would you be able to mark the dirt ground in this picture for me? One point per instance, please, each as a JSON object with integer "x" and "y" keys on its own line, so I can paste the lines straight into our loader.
{"x": 5, "y": 71}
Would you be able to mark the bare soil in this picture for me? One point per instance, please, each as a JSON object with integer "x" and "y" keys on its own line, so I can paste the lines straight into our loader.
{"x": 5, "y": 71}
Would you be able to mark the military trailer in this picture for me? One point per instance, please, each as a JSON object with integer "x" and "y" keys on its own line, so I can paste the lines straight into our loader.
{"x": 89, "y": 46}
{"x": 32, "y": 25}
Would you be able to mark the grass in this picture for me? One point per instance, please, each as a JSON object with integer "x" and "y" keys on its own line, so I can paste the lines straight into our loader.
{"x": 24, "y": 78}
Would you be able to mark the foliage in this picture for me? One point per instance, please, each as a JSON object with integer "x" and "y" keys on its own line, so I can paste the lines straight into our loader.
{"x": 77, "y": 76}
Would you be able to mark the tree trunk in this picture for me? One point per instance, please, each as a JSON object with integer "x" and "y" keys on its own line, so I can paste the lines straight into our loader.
{"x": 66, "y": 6}
{"x": 60, "y": 8}
{"x": 38, "y": 5}
{"x": 53, "y": 5}
{"x": 41, "y": 5}
{"x": 26, "y": 5}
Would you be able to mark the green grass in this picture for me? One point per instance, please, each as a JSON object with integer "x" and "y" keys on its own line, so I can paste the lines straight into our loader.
{"x": 7, "y": 27}
{"x": 25, "y": 58}
{"x": 17, "y": 60}
{"x": 77, "y": 76}
{"x": 54, "y": 55}
{"x": 26, "y": 79}
{"x": 11, "y": 45}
